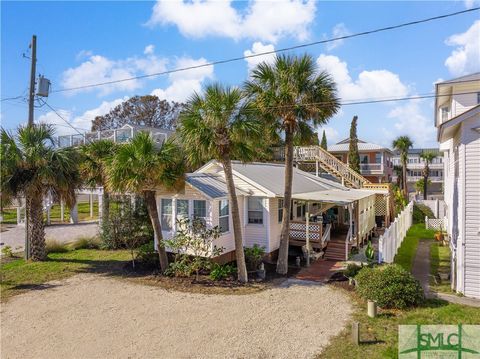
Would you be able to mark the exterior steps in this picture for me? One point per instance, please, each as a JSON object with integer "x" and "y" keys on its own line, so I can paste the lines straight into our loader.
{"x": 336, "y": 250}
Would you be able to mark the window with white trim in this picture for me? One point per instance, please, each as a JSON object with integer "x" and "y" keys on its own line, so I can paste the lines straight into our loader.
{"x": 280, "y": 210}
{"x": 182, "y": 208}
{"x": 166, "y": 214}
{"x": 200, "y": 210}
{"x": 223, "y": 216}
{"x": 255, "y": 210}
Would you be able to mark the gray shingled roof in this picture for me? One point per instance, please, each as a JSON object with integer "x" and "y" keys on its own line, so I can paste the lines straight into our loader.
{"x": 272, "y": 177}
{"x": 472, "y": 77}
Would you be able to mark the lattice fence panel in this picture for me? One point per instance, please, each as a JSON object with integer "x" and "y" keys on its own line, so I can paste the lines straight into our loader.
{"x": 381, "y": 205}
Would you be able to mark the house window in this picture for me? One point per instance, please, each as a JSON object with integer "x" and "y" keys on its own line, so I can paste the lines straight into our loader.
{"x": 444, "y": 111}
{"x": 280, "y": 210}
{"x": 378, "y": 157}
{"x": 364, "y": 158}
{"x": 478, "y": 98}
{"x": 200, "y": 210}
{"x": 255, "y": 210}
{"x": 182, "y": 208}
{"x": 166, "y": 211}
{"x": 223, "y": 216}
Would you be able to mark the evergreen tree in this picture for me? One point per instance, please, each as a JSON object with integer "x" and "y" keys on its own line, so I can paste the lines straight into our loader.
{"x": 353, "y": 155}
{"x": 324, "y": 141}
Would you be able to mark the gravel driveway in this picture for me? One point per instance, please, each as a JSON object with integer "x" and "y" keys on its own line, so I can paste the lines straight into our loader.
{"x": 14, "y": 236}
{"x": 90, "y": 316}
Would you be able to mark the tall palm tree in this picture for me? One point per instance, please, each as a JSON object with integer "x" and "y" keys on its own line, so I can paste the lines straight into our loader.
{"x": 289, "y": 94}
{"x": 403, "y": 144}
{"x": 93, "y": 169}
{"x": 141, "y": 166}
{"x": 33, "y": 167}
{"x": 427, "y": 157}
{"x": 219, "y": 124}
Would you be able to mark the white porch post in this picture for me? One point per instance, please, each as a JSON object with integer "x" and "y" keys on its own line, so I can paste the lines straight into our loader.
{"x": 91, "y": 204}
{"x": 316, "y": 168}
{"x": 347, "y": 239}
{"x": 100, "y": 207}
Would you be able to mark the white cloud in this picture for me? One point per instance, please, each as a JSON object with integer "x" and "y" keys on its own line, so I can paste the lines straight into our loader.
{"x": 82, "y": 123}
{"x": 471, "y": 3}
{"x": 262, "y": 20}
{"x": 338, "y": 30}
{"x": 258, "y": 48}
{"x": 98, "y": 69}
{"x": 149, "y": 49}
{"x": 409, "y": 119}
{"x": 369, "y": 84}
{"x": 465, "y": 58}
{"x": 331, "y": 133}
{"x": 83, "y": 54}
{"x": 184, "y": 83}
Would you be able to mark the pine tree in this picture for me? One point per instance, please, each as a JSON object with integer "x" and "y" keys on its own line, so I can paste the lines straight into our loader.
{"x": 324, "y": 141}
{"x": 353, "y": 155}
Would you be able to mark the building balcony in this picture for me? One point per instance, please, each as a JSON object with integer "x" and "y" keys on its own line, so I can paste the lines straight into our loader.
{"x": 372, "y": 168}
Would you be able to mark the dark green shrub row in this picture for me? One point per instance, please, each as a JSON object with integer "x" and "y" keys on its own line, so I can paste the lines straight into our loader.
{"x": 420, "y": 211}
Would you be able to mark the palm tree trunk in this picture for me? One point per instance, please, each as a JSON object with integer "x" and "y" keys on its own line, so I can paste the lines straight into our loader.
{"x": 237, "y": 229}
{"x": 36, "y": 231}
{"x": 405, "y": 185}
{"x": 282, "y": 262}
{"x": 106, "y": 207}
{"x": 157, "y": 228}
{"x": 425, "y": 181}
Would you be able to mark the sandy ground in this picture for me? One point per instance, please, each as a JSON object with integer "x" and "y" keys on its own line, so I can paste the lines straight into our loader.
{"x": 14, "y": 236}
{"x": 89, "y": 316}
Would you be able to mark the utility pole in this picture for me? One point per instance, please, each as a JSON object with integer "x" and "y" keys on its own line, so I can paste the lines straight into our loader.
{"x": 31, "y": 98}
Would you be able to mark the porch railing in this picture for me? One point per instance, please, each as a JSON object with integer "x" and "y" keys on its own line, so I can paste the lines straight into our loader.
{"x": 326, "y": 235}
{"x": 298, "y": 231}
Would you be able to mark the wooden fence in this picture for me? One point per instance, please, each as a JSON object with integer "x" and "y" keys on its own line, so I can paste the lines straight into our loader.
{"x": 390, "y": 241}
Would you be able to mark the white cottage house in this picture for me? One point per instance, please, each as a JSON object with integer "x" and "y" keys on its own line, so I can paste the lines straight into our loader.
{"x": 260, "y": 189}
{"x": 457, "y": 118}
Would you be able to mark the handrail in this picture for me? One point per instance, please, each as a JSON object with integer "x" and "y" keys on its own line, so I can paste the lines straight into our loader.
{"x": 326, "y": 235}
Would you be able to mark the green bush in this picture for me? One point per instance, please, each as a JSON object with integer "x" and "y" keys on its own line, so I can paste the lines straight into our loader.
{"x": 219, "y": 272}
{"x": 53, "y": 246}
{"x": 146, "y": 254}
{"x": 352, "y": 270}
{"x": 390, "y": 286}
{"x": 420, "y": 211}
{"x": 254, "y": 256}
{"x": 87, "y": 243}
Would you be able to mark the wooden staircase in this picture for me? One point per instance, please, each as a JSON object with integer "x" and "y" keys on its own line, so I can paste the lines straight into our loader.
{"x": 330, "y": 164}
{"x": 335, "y": 250}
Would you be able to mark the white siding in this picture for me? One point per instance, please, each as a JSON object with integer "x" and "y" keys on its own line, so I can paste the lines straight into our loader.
{"x": 463, "y": 103}
{"x": 471, "y": 141}
{"x": 275, "y": 225}
{"x": 256, "y": 233}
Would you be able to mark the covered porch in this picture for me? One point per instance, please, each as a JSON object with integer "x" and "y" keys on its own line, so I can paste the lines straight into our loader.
{"x": 332, "y": 222}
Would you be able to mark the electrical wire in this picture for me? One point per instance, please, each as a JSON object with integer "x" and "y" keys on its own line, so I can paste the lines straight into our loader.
{"x": 218, "y": 62}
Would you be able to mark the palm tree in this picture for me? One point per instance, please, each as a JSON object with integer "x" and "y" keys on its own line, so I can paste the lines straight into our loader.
{"x": 32, "y": 167}
{"x": 289, "y": 94}
{"x": 93, "y": 169}
{"x": 219, "y": 124}
{"x": 427, "y": 156}
{"x": 403, "y": 144}
{"x": 141, "y": 166}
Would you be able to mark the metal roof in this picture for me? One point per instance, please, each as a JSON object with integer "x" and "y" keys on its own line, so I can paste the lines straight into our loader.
{"x": 340, "y": 197}
{"x": 271, "y": 176}
{"x": 212, "y": 185}
{"x": 472, "y": 77}
{"x": 419, "y": 151}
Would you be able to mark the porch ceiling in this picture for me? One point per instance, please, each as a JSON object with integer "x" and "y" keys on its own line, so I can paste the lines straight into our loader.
{"x": 339, "y": 197}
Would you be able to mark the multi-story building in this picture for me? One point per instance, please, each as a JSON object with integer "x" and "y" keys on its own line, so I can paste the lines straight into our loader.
{"x": 457, "y": 118}
{"x": 415, "y": 166}
{"x": 375, "y": 161}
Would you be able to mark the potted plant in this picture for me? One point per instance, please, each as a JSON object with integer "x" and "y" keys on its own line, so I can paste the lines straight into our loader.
{"x": 253, "y": 257}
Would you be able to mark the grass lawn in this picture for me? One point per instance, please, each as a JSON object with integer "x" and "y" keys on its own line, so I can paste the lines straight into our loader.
{"x": 379, "y": 335}
{"x": 439, "y": 264}
{"x": 406, "y": 252}
{"x": 18, "y": 276}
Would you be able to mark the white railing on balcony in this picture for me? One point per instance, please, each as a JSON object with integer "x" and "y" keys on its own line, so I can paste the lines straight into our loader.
{"x": 371, "y": 167}
{"x": 298, "y": 231}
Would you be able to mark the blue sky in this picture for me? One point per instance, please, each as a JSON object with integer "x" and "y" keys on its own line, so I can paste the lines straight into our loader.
{"x": 81, "y": 43}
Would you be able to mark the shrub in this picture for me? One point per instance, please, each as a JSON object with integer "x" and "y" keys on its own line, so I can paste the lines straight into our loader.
{"x": 128, "y": 225}
{"x": 352, "y": 270}
{"x": 420, "y": 211}
{"x": 253, "y": 256}
{"x": 219, "y": 272}
{"x": 7, "y": 251}
{"x": 53, "y": 246}
{"x": 87, "y": 243}
{"x": 146, "y": 254}
{"x": 390, "y": 286}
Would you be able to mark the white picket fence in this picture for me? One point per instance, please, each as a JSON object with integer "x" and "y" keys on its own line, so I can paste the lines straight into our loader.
{"x": 390, "y": 241}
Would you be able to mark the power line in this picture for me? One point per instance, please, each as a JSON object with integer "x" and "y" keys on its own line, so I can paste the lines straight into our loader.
{"x": 61, "y": 117}
{"x": 369, "y": 32}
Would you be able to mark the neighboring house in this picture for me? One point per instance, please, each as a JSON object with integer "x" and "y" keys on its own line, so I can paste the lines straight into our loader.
{"x": 260, "y": 188}
{"x": 119, "y": 135}
{"x": 457, "y": 118}
{"x": 375, "y": 160}
{"x": 415, "y": 166}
